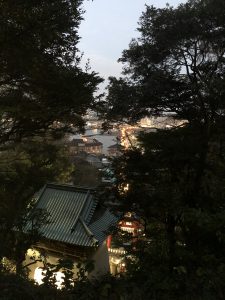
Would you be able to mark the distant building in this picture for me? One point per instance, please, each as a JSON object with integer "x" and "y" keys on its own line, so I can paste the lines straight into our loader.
{"x": 163, "y": 122}
{"x": 76, "y": 229}
{"x": 134, "y": 226}
{"x": 87, "y": 145}
{"x": 94, "y": 160}
{"x": 106, "y": 162}
{"x": 114, "y": 150}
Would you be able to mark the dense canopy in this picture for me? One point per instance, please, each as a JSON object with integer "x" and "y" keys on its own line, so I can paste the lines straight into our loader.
{"x": 176, "y": 176}
{"x": 42, "y": 85}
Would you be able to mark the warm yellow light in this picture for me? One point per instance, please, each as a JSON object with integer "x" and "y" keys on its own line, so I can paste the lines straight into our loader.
{"x": 39, "y": 274}
{"x": 33, "y": 253}
{"x": 115, "y": 261}
{"x": 59, "y": 276}
{"x": 126, "y": 187}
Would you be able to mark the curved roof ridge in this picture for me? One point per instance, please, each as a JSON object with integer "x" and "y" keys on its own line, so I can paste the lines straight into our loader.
{"x": 80, "y": 211}
{"x": 88, "y": 231}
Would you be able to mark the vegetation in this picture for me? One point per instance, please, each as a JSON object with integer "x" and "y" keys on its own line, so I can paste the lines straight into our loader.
{"x": 42, "y": 85}
{"x": 176, "y": 175}
{"x": 43, "y": 94}
{"x": 85, "y": 174}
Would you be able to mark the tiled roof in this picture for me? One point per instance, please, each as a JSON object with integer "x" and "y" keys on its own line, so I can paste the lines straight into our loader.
{"x": 93, "y": 142}
{"x": 71, "y": 210}
{"x": 105, "y": 221}
{"x": 76, "y": 142}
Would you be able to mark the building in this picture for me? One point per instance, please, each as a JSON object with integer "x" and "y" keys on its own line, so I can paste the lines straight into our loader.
{"x": 114, "y": 150}
{"x": 94, "y": 160}
{"x": 88, "y": 145}
{"x": 77, "y": 229}
{"x": 133, "y": 225}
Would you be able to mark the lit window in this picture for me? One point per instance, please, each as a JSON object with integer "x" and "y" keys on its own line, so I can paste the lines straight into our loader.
{"x": 128, "y": 223}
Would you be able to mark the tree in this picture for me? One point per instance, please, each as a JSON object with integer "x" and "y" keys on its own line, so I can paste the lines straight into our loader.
{"x": 176, "y": 176}
{"x": 41, "y": 84}
{"x": 23, "y": 171}
{"x": 85, "y": 174}
{"x": 44, "y": 93}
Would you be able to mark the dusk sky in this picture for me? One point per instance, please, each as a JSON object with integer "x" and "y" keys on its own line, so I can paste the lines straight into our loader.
{"x": 108, "y": 28}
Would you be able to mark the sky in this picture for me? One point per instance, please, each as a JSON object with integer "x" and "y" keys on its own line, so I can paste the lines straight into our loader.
{"x": 107, "y": 29}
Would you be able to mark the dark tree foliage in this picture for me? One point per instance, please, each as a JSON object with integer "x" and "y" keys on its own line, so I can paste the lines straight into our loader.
{"x": 41, "y": 84}
{"x": 176, "y": 66}
{"x": 43, "y": 94}
{"x": 23, "y": 171}
{"x": 176, "y": 175}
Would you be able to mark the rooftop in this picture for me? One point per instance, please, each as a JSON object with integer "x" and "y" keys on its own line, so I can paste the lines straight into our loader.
{"x": 87, "y": 142}
{"x": 72, "y": 215}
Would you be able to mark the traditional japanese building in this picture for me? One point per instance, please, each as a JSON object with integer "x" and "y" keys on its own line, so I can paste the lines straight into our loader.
{"x": 114, "y": 150}
{"x": 132, "y": 224}
{"x": 88, "y": 145}
{"x": 77, "y": 228}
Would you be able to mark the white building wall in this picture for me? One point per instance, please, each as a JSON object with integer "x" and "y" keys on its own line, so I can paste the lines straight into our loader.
{"x": 101, "y": 262}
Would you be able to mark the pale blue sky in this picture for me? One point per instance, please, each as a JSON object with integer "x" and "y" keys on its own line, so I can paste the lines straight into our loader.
{"x": 108, "y": 28}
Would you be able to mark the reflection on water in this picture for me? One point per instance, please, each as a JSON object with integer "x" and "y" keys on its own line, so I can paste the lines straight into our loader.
{"x": 107, "y": 139}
